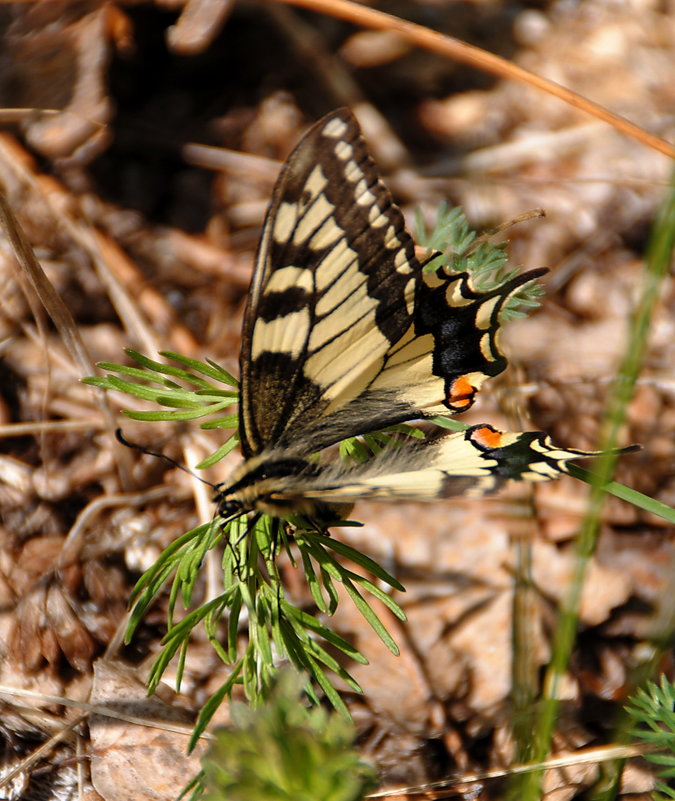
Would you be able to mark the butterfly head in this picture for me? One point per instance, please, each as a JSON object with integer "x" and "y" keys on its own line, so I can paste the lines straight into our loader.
{"x": 262, "y": 484}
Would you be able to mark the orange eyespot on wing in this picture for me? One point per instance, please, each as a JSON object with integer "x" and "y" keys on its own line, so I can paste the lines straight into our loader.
{"x": 461, "y": 394}
{"x": 486, "y": 437}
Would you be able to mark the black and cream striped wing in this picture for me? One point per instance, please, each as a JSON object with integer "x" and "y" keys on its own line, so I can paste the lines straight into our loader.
{"x": 343, "y": 332}
{"x": 333, "y": 286}
{"x": 471, "y": 463}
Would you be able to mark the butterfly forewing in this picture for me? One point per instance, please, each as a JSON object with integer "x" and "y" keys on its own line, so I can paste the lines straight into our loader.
{"x": 333, "y": 287}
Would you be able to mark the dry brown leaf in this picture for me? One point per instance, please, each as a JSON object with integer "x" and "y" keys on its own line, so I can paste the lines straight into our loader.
{"x": 132, "y": 760}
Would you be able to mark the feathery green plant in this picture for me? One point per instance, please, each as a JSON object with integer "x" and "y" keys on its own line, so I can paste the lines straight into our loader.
{"x": 452, "y": 244}
{"x": 652, "y": 710}
{"x": 252, "y": 587}
{"x": 285, "y": 751}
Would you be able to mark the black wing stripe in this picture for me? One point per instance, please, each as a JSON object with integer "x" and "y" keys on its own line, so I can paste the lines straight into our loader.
{"x": 339, "y": 246}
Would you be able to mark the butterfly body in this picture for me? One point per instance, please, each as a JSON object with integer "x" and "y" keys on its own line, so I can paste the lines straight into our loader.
{"x": 345, "y": 333}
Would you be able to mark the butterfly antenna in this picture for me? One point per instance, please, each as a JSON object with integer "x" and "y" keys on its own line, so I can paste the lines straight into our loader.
{"x": 127, "y": 443}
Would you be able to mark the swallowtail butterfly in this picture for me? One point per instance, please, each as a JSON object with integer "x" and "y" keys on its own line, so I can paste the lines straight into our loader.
{"x": 344, "y": 333}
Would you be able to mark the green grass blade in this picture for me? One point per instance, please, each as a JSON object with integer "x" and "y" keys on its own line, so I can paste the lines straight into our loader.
{"x": 659, "y": 257}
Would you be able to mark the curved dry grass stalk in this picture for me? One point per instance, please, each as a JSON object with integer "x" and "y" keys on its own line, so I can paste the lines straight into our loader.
{"x": 481, "y": 59}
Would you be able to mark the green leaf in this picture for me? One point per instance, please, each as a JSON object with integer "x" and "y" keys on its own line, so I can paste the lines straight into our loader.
{"x": 227, "y": 447}
{"x": 137, "y": 373}
{"x": 313, "y": 582}
{"x": 210, "y": 369}
{"x": 308, "y": 621}
{"x": 166, "y": 369}
{"x": 371, "y": 618}
{"x": 368, "y": 564}
{"x": 634, "y": 497}
{"x": 194, "y": 413}
{"x": 211, "y": 706}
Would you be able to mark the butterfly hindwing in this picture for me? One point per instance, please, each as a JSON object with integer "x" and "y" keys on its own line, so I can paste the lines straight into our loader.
{"x": 450, "y": 348}
{"x": 470, "y": 463}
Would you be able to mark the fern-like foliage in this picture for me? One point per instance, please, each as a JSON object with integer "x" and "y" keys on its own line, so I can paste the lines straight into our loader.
{"x": 452, "y": 244}
{"x": 253, "y": 595}
{"x": 653, "y": 711}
